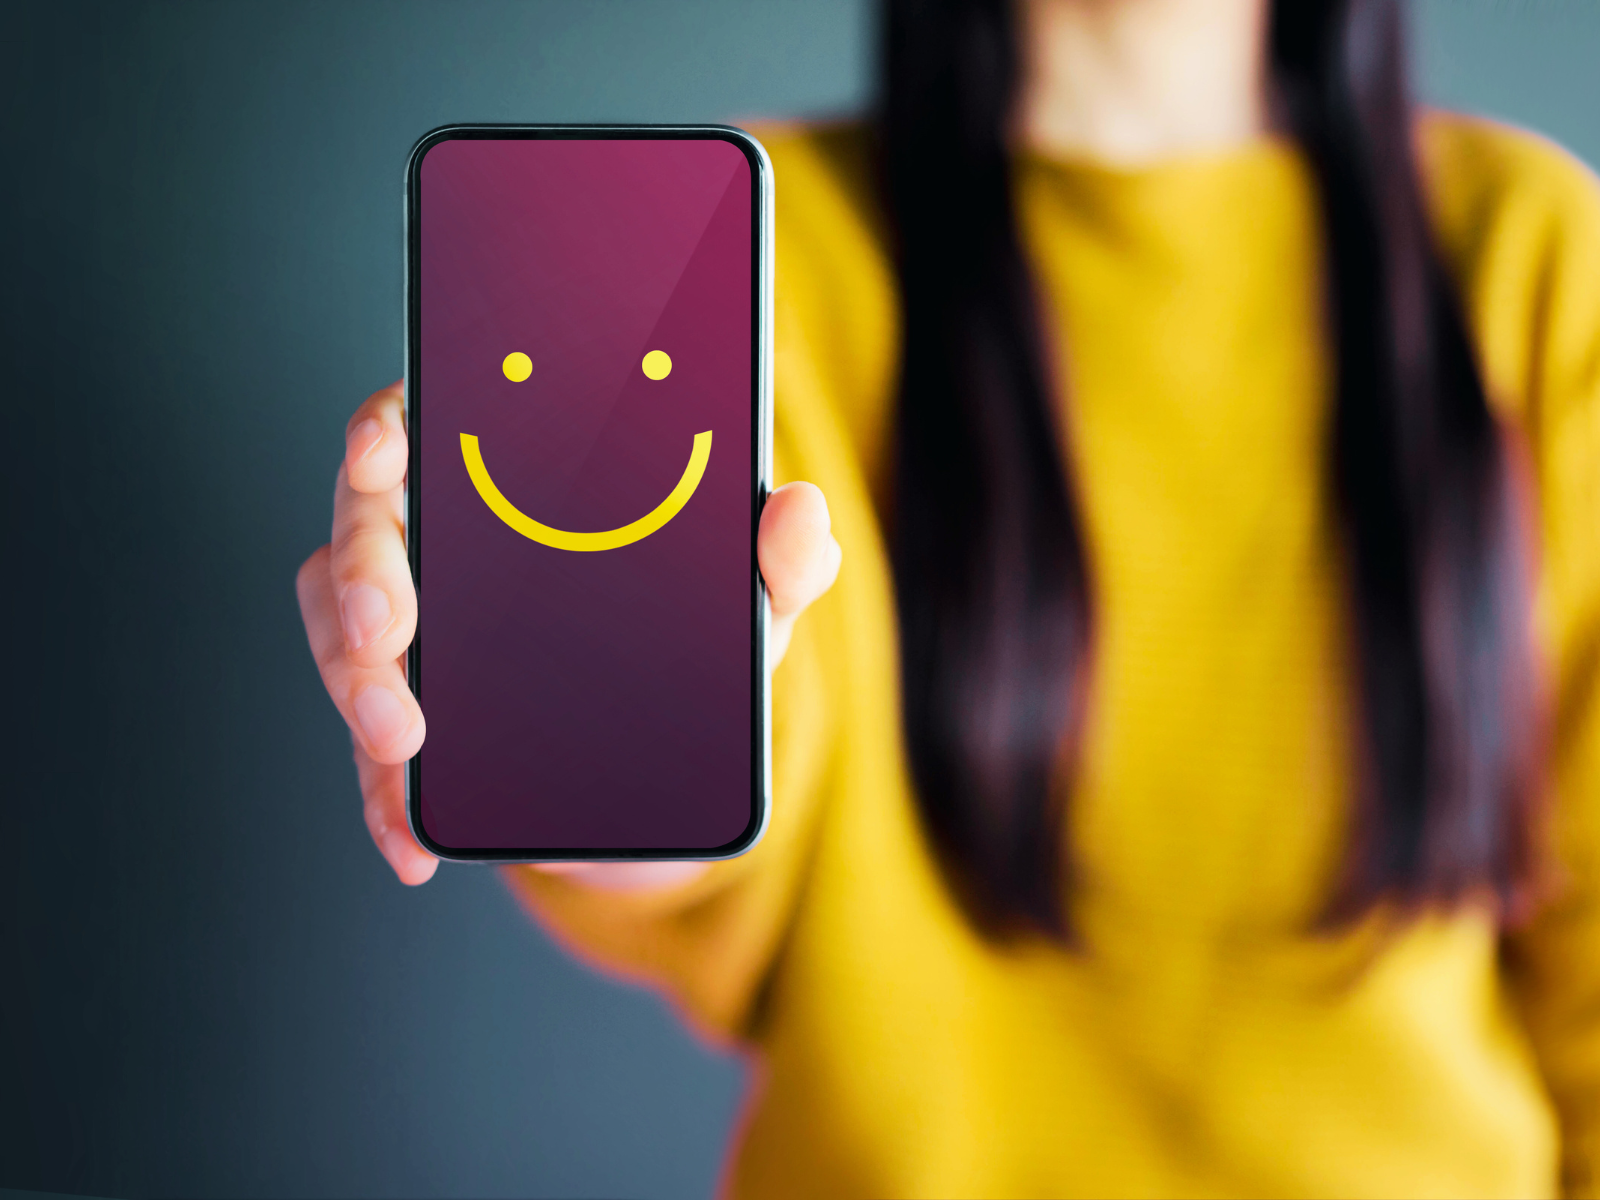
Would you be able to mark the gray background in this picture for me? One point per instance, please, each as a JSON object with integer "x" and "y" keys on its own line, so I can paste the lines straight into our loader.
{"x": 209, "y": 983}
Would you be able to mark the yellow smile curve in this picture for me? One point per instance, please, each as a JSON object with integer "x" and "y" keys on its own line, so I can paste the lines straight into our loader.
{"x": 606, "y": 539}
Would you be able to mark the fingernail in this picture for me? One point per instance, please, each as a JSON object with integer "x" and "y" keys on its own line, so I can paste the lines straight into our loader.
{"x": 381, "y": 715}
{"x": 365, "y": 612}
{"x": 364, "y": 438}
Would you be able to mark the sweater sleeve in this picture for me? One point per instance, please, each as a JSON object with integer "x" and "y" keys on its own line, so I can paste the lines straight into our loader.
{"x": 1534, "y": 294}
{"x": 707, "y": 945}
{"x": 1556, "y": 958}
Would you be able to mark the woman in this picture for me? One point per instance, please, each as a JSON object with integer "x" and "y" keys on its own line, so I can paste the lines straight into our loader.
{"x": 1162, "y": 804}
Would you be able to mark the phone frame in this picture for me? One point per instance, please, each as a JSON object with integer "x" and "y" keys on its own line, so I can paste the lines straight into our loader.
{"x": 761, "y": 459}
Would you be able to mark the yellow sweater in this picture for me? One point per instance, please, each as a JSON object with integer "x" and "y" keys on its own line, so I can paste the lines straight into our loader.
{"x": 1206, "y": 1043}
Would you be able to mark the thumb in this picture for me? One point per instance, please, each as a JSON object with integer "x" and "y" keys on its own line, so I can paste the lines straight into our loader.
{"x": 798, "y": 554}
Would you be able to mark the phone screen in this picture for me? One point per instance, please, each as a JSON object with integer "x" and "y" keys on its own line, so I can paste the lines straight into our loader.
{"x": 584, "y": 395}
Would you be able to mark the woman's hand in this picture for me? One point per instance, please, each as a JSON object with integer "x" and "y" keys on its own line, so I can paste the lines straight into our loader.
{"x": 360, "y": 612}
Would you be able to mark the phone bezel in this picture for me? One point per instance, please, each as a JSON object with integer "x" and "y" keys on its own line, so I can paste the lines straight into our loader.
{"x": 761, "y": 458}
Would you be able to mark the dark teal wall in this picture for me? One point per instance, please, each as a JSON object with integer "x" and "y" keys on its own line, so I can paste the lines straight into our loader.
{"x": 209, "y": 984}
{"x": 1528, "y": 61}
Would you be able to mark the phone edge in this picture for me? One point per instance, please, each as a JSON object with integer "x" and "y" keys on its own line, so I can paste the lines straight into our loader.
{"x": 763, "y": 179}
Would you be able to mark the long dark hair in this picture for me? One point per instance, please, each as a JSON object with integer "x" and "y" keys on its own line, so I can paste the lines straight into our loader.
{"x": 991, "y": 572}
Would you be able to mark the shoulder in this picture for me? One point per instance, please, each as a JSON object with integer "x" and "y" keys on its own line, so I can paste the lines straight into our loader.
{"x": 1518, "y": 220}
{"x": 826, "y": 191}
{"x": 835, "y": 313}
{"x": 828, "y": 222}
{"x": 1483, "y": 166}
{"x": 819, "y": 165}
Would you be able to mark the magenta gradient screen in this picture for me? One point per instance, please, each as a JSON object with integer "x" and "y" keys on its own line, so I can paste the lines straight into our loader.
{"x": 584, "y": 312}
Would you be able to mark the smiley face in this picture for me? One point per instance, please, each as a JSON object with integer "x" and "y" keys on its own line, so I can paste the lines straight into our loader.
{"x": 517, "y": 367}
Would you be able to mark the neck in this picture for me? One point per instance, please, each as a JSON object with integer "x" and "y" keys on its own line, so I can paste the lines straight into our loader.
{"x": 1130, "y": 82}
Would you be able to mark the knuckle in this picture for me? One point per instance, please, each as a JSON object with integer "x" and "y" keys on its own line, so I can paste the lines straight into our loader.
{"x": 315, "y": 565}
{"x": 330, "y": 660}
{"x": 363, "y": 544}
{"x": 328, "y": 653}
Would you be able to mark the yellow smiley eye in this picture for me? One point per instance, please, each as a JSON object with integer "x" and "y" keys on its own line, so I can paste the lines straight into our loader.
{"x": 517, "y": 366}
{"x": 657, "y": 365}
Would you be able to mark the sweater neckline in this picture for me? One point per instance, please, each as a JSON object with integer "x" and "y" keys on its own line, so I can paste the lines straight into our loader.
{"x": 1265, "y": 149}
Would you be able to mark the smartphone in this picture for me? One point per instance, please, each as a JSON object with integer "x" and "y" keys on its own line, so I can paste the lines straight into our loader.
{"x": 588, "y": 397}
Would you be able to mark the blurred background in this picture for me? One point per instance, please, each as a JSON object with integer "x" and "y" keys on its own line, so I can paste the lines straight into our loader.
{"x": 209, "y": 982}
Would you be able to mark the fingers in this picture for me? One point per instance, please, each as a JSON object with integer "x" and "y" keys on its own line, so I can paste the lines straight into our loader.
{"x": 799, "y": 558}
{"x": 374, "y": 700}
{"x": 375, "y": 442}
{"x": 628, "y": 877}
{"x": 798, "y": 554}
{"x": 371, "y": 577}
{"x": 383, "y": 790}
{"x": 360, "y": 611}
